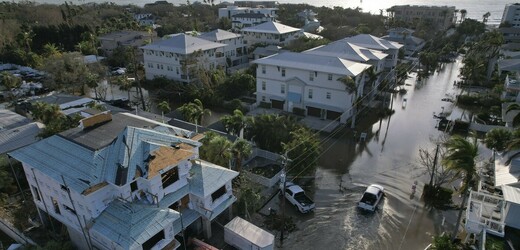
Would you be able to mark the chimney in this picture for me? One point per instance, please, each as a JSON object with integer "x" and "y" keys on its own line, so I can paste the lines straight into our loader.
{"x": 95, "y": 120}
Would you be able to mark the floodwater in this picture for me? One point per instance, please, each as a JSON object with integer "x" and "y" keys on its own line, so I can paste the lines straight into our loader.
{"x": 389, "y": 157}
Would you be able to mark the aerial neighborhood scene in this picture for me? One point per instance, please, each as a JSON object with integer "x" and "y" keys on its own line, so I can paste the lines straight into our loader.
{"x": 210, "y": 125}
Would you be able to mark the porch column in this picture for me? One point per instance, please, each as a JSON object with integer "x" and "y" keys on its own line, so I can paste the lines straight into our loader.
{"x": 206, "y": 228}
{"x": 230, "y": 212}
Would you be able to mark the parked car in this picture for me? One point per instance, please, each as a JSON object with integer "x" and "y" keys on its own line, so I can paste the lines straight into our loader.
{"x": 118, "y": 71}
{"x": 371, "y": 197}
{"x": 296, "y": 196}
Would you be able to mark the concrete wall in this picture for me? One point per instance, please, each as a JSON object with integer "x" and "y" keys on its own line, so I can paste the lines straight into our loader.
{"x": 513, "y": 215}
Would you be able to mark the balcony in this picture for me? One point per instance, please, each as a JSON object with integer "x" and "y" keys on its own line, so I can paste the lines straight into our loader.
{"x": 485, "y": 212}
{"x": 512, "y": 84}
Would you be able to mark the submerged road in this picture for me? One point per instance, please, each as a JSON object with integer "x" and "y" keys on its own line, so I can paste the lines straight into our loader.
{"x": 390, "y": 158}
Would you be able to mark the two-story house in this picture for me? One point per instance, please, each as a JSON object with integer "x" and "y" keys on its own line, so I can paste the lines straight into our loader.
{"x": 127, "y": 38}
{"x": 236, "y": 49}
{"x": 179, "y": 56}
{"x": 352, "y": 52}
{"x": 371, "y": 42}
{"x": 231, "y": 10}
{"x": 412, "y": 44}
{"x": 271, "y": 33}
{"x": 310, "y": 83}
{"x": 244, "y": 20}
{"x": 125, "y": 182}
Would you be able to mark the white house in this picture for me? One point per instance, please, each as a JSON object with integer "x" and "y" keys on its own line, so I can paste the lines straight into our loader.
{"x": 310, "y": 84}
{"x": 236, "y": 49}
{"x": 271, "y": 33}
{"x": 405, "y": 37}
{"x": 511, "y": 14}
{"x": 178, "y": 57}
{"x": 125, "y": 182}
{"x": 244, "y": 20}
{"x": 376, "y": 43}
{"x": 352, "y": 52}
{"x": 231, "y": 10}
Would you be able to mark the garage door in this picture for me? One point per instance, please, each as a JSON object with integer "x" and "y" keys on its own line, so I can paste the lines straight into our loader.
{"x": 312, "y": 111}
{"x": 333, "y": 115}
{"x": 277, "y": 104}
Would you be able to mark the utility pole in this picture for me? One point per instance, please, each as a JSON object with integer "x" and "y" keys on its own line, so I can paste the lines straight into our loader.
{"x": 434, "y": 165}
{"x": 284, "y": 181}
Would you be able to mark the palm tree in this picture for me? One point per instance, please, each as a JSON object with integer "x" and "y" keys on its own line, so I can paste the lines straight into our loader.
{"x": 194, "y": 111}
{"x": 485, "y": 17}
{"x": 50, "y": 49}
{"x": 124, "y": 84}
{"x": 234, "y": 123}
{"x": 460, "y": 157}
{"x": 241, "y": 149}
{"x": 164, "y": 106}
{"x": 497, "y": 139}
{"x": 473, "y": 69}
{"x": 352, "y": 88}
{"x": 463, "y": 13}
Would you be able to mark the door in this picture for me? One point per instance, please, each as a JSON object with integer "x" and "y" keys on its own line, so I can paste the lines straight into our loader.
{"x": 312, "y": 111}
{"x": 333, "y": 115}
{"x": 277, "y": 104}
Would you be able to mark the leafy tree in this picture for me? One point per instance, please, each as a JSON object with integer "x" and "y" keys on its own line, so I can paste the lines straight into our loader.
{"x": 66, "y": 72}
{"x": 50, "y": 50}
{"x": 497, "y": 139}
{"x": 216, "y": 149}
{"x": 234, "y": 123}
{"x": 241, "y": 149}
{"x": 237, "y": 85}
{"x": 460, "y": 157}
{"x": 352, "y": 88}
{"x": 124, "y": 84}
{"x": 248, "y": 196}
{"x": 224, "y": 23}
{"x": 10, "y": 82}
{"x": 55, "y": 121}
{"x": 473, "y": 69}
{"x": 443, "y": 242}
{"x": 304, "y": 151}
{"x": 270, "y": 131}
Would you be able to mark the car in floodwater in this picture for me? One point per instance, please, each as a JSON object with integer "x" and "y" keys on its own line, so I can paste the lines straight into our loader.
{"x": 371, "y": 197}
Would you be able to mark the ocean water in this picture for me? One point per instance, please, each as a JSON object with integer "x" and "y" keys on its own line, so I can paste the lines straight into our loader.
{"x": 475, "y": 8}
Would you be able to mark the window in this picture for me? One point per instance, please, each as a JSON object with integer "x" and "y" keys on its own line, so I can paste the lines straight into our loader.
{"x": 282, "y": 88}
{"x": 283, "y": 72}
{"x": 177, "y": 70}
{"x": 263, "y": 98}
{"x": 263, "y": 85}
{"x": 56, "y": 205}
{"x": 311, "y": 76}
{"x": 219, "y": 193}
{"x": 133, "y": 186}
{"x": 330, "y": 77}
{"x": 169, "y": 177}
{"x": 158, "y": 66}
{"x": 263, "y": 69}
{"x": 36, "y": 193}
{"x": 310, "y": 93}
{"x": 328, "y": 95}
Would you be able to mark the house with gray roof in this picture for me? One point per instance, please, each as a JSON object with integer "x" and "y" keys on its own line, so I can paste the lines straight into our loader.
{"x": 17, "y": 131}
{"x": 235, "y": 51}
{"x": 271, "y": 33}
{"x": 375, "y": 43}
{"x": 412, "y": 44}
{"x": 244, "y": 20}
{"x": 180, "y": 55}
{"x": 310, "y": 84}
{"x": 125, "y": 182}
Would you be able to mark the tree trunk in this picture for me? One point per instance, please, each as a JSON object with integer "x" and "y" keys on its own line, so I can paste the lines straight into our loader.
{"x": 459, "y": 218}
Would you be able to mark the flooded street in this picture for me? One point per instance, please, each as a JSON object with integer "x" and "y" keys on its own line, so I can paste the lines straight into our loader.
{"x": 389, "y": 158}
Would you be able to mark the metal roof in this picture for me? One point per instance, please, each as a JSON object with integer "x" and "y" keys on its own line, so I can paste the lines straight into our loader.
{"x": 506, "y": 174}
{"x": 10, "y": 119}
{"x": 249, "y": 231}
{"x": 327, "y": 64}
{"x": 346, "y": 50}
{"x": 271, "y": 28}
{"x": 59, "y": 99}
{"x": 183, "y": 44}
{"x": 219, "y": 35}
{"x": 511, "y": 194}
{"x": 130, "y": 224}
{"x": 207, "y": 177}
{"x": 372, "y": 42}
{"x": 18, "y": 137}
{"x": 82, "y": 166}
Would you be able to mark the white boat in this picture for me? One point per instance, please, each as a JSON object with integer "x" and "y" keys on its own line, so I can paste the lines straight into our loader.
{"x": 371, "y": 197}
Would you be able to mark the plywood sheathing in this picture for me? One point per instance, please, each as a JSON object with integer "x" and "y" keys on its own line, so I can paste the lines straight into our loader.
{"x": 168, "y": 156}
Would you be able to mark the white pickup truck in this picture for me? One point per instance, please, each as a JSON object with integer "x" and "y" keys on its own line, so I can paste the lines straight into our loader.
{"x": 296, "y": 196}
